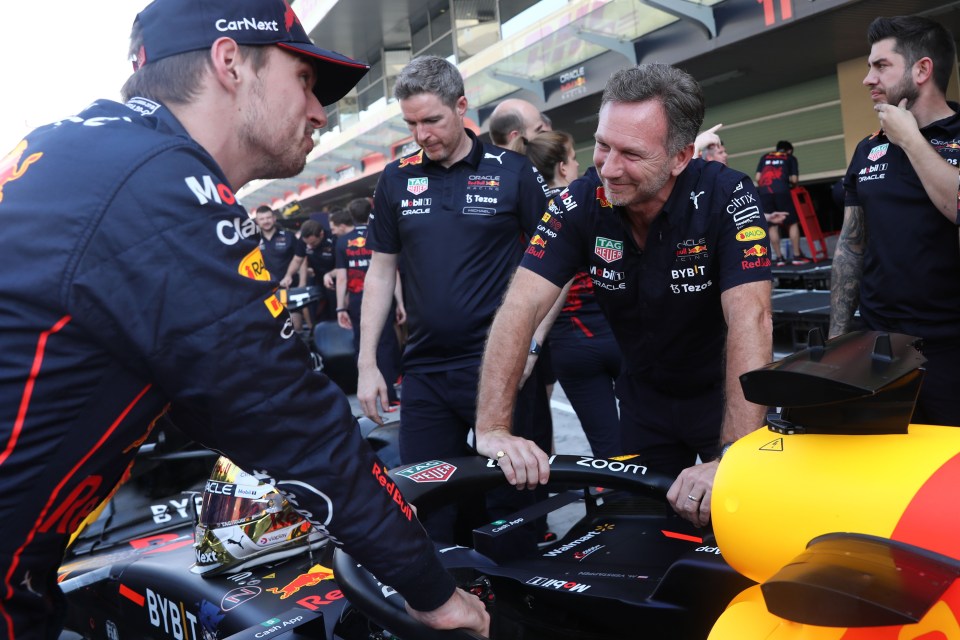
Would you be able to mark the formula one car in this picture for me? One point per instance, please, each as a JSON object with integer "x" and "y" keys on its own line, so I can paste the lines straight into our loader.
{"x": 835, "y": 522}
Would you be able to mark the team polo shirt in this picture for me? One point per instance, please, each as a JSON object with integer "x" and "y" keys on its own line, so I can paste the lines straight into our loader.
{"x": 775, "y": 170}
{"x": 320, "y": 258}
{"x": 662, "y": 302}
{"x": 460, "y": 233}
{"x": 278, "y": 251}
{"x": 911, "y": 268}
{"x": 353, "y": 255}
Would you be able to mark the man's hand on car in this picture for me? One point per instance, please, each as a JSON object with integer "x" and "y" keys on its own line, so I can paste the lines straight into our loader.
{"x": 692, "y": 491}
{"x": 461, "y": 611}
{"x": 523, "y": 463}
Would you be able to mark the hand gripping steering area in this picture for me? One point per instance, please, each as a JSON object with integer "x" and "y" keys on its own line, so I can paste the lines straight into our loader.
{"x": 434, "y": 483}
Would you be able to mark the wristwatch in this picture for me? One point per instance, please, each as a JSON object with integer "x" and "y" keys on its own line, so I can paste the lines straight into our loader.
{"x": 534, "y": 347}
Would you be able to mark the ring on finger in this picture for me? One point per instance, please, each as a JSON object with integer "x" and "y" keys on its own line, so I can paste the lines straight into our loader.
{"x": 501, "y": 454}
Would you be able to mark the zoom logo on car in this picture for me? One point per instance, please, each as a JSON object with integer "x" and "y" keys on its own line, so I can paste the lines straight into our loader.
{"x": 612, "y": 465}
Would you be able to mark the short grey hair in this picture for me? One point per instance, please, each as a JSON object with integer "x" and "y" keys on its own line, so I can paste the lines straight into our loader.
{"x": 675, "y": 89}
{"x": 430, "y": 74}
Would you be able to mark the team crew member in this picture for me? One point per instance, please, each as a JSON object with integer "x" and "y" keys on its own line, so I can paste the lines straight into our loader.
{"x": 897, "y": 253}
{"x": 315, "y": 250}
{"x": 192, "y": 323}
{"x": 277, "y": 245}
{"x": 352, "y": 262}
{"x": 455, "y": 213}
{"x": 676, "y": 249}
{"x": 777, "y": 173}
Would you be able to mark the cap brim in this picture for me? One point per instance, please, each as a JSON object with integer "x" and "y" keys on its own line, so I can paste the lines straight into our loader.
{"x": 336, "y": 73}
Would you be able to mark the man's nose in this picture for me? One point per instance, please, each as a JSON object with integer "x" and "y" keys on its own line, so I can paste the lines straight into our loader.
{"x": 317, "y": 114}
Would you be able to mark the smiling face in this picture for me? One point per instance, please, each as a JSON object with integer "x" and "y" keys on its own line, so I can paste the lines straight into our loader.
{"x": 889, "y": 79}
{"x": 280, "y": 114}
{"x": 630, "y": 153}
{"x": 437, "y": 128}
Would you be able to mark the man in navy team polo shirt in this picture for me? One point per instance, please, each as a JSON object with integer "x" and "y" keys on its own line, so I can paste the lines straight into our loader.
{"x": 678, "y": 254}
{"x": 455, "y": 213}
{"x": 898, "y": 252}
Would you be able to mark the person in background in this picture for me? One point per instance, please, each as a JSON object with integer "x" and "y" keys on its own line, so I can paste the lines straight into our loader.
{"x": 313, "y": 253}
{"x": 514, "y": 120}
{"x": 192, "y": 326}
{"x": 897, "y": 256}
{"x": 709, "y": 146}
{"x": 777, "y": 173}
{"x": 352, "y": 262}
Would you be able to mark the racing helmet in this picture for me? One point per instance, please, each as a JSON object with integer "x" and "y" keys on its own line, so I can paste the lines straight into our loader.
{"x": 244, "y": 522}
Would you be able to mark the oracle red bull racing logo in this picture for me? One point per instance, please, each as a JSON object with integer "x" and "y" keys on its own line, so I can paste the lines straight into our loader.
{"x": 314, "y": 576}
{"x": 432, "y": 471}
{"x": 11, "y": 167}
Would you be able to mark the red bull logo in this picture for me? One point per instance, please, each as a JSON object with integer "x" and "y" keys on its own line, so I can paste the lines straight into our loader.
{"x": 538, "y": 241}
{"x": 415, "y": 159}
{"x": 11, "y": 168}
{"x": 357, "y": 242}
{"x": 602, "y": 198}
{"x": 756, "y": 251}
{"x": 317, "y": 574}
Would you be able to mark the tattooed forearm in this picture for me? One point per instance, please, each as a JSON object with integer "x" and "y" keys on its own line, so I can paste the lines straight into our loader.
{"x": 847, "y": 269}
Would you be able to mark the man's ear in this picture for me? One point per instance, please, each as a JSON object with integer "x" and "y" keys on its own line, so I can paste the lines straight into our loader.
{"x": 681, "y": 159}
{"x": 226, "y": 60}
{"x": 922, "y": 70}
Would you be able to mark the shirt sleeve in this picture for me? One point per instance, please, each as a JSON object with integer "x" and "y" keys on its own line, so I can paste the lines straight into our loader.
{"x": 743, "y": 245}
{"x": 169, "y": 290}
{"x": 555, "y": 250}
{"x": 300, "y": 248}
{"x": 533, "y": 200}
{"x": 340, "y": 253}
{"x": 383, "y": 233}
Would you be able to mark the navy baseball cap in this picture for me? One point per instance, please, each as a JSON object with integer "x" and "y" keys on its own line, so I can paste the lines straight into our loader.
{"x": 170, "y": 27}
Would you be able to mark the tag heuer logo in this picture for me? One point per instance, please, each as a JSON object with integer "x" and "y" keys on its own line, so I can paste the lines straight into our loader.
{"x": 608, "y": 250}
{"x": 416, "y": 186}
{"x": 878, "y": 152}
{"x": 432, "y": 471}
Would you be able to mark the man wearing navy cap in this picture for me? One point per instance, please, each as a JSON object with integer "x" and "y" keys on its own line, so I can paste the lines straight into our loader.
{"x": 157, "y": 300}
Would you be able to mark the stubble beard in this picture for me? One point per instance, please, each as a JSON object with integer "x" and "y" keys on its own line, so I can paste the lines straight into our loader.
{"x": 905, "y": 88}
{"x": 642, "y": 193}
{"x": 270, "y": 156}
